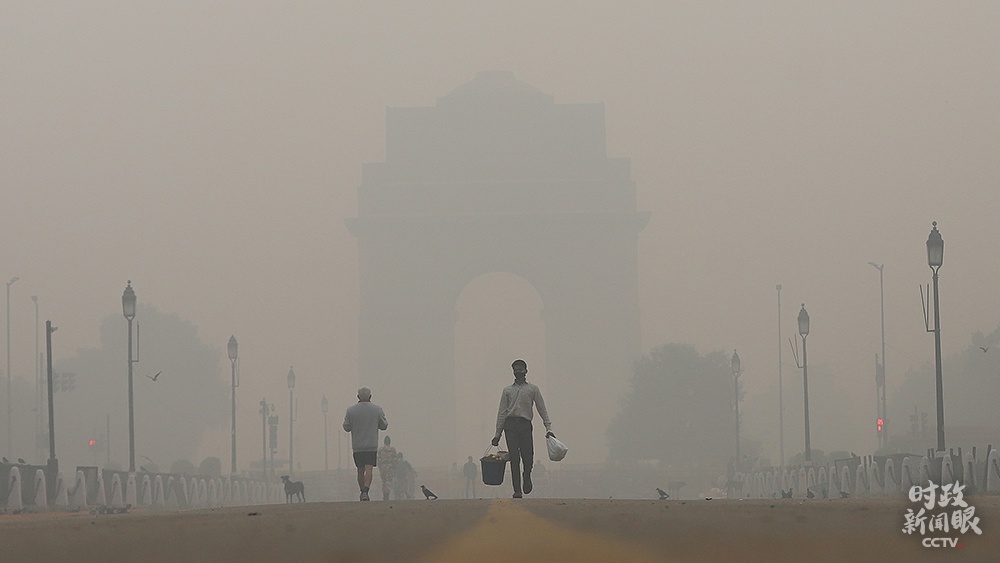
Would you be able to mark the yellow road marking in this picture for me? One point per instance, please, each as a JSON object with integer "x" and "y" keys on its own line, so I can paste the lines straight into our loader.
{"x": 509, "y": 532}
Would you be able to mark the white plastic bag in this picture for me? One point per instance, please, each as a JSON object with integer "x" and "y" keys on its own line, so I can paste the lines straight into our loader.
{"x": 557, "y": 449}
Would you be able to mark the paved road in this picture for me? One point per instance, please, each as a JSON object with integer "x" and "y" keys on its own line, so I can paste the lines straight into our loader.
{"x": 496, "y": 530}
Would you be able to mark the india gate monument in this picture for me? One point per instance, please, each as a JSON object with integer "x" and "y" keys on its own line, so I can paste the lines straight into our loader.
{"x": 497, "y": 177}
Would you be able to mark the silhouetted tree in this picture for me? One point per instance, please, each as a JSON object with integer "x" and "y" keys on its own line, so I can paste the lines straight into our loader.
{"x": 210, "y": 466}
{"x": 679, "y": 408}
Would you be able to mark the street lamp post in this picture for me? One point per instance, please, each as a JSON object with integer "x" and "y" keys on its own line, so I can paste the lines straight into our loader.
{"x": 233, "y": 349}
{"x": 735, "y": 362}
{"x": 935, "y": 257}
{"x": 326, "y": 427}
{"x": 803, "y": 320}
{"x": 128, "y": 310}
{"x": 880, "y": 367}
{"x": 38, "y": 384}
{"x": 291, "y": 420}
{"x": 9, "y": 442}
{"x": 53, "y": 463}
{"x": 781, "y": 404}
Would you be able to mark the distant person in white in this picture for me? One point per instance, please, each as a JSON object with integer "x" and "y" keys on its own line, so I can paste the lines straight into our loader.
{"x": 514, "y": 421}
{"x": 363, "y": 420}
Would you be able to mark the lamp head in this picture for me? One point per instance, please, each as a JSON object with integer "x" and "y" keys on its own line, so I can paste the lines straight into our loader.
{"x": 128, "y": 302}
{"x": 803, "y": 322}
{"x": 935, "y": 247}
{"x": 291, "y": 379}
{"x": 325, "y": 404}
{"x": 233, "y": 348}
{"x": 12, "y": 281}
{"x": 735, "y": 363}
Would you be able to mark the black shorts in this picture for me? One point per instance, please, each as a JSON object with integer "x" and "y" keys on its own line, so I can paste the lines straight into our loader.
{"x": 362, "y": 459}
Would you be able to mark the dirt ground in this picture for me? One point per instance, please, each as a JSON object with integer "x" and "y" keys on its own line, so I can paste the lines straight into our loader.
{"x": 486, "y": 530}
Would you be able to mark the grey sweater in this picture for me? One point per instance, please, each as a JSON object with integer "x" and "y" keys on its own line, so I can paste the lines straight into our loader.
{"x": 363, "y": 420}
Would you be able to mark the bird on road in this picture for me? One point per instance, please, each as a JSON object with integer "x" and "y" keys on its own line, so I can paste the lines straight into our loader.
{"x": 663, "y": 494}
{"x": 786, "y": 495}
{"x": 155, "y": 376}
{"x": 845, "y": 494}
{"x": 810, "y": 493}
{"x": 428, "y": 493}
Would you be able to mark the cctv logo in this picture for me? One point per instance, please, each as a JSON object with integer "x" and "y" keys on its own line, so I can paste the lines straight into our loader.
{"x": 940, "y": 542}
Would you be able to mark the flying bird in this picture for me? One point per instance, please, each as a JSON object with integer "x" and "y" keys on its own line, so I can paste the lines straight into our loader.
{"x": 984, "y": 349}
{"x": 155, "y": 376}
{"x": 428, "y": 493}
{"x": 663, "y": 494}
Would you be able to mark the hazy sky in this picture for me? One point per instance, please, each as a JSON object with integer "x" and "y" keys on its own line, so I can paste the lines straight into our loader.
{"x": 211, "y": 151}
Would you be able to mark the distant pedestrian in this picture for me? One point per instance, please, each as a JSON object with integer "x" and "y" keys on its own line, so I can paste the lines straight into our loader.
{"x": 363, "y": 420}
{"x": 471, "y": 471}
{"x": 517, "y": 404}
{"x": 405, "y": 478}
{"x": 386, "y": 466}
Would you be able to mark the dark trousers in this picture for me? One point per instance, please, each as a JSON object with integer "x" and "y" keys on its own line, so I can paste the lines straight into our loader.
{"x": 517, "y": 431}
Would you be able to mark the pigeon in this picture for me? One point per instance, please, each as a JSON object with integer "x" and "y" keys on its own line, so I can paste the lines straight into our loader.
{"x": 21, "y": 461}
{"x": 663, "y": 494}
{"x": 810, "y": 493}
{"x": 845, "y": 494}
{"x": 155, "y": 376}
{"x": 428, "y": 493}
{"x": 5, "y": 460}
{"x": 786, "y": 495}
{"x": 984, "y": 349}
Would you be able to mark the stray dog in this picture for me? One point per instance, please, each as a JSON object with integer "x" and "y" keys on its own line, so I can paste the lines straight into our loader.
{"x": 293, "y": 489}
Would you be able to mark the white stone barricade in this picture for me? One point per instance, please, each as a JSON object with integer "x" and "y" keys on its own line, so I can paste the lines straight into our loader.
{"x": 146, "y": 491}
{"x": 202, "y": 493}
{"x": 130, "y": 491}
{"x": 79, "y": 499}
{"x": 905, "y": 474}
{"x": 890, "y": 478}
{"x": 947, "y": 470}
{"x": 102, "y": 492}
{"x": 61, "y": 498}
{"x": 41, "y": 499}
{"x": 158, "y": 496}
{"x": 993, "y": 472}
{"x": 14, "y": 489}
{"x": 117, "y": 495}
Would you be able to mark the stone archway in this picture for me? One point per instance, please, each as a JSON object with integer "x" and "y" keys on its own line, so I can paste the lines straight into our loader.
{"x": 496, "y": 177}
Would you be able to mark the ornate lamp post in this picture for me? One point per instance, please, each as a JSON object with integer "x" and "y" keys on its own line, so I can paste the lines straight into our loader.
{"x": 326, "y": 427}
{"x": 291, "y": 419}
{"x": 128, "y": 310}
{"x": 233, "y": 354}
{"x": 880, "y": 367}
{"x": 804, "y": 332}
{"x": 935, "y": 257}
{"x": 735, "y": 362}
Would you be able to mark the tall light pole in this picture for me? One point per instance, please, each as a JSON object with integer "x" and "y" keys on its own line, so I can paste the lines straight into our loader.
{"x": 781, "y": 404}
{"x": 291, "y": 419}
{"x": 128, "y": 310}
{"x": 880, "y": 367}
{"x": 53, "y": 463}
{"x": 735, "y": 362}
{"x": 233, "y": 349}
{"x": 9, "y": 442}
{"x": 804, "y": 332}
{"x": 326, "y": 427}
{"x": 935, "y": 257}
{"x": 38, "y": 382}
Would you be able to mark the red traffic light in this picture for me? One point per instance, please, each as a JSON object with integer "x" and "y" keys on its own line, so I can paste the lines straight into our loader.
{"x": 878, "y": 424}
{"x": 93, "y": 442}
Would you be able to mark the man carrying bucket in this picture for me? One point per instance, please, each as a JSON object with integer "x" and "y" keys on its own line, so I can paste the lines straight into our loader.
{"x": 514, "y": 421}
